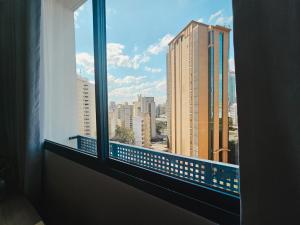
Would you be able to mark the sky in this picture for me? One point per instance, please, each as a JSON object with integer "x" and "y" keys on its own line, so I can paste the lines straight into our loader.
{"x": 138, "y": 33}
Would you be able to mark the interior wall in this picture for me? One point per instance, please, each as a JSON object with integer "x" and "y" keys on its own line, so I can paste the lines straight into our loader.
{"x": 59, "y": 70}
{"x": 84, "y": 196}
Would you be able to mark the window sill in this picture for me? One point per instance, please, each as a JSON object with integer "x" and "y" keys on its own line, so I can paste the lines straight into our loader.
{"x": 213, "y": 205}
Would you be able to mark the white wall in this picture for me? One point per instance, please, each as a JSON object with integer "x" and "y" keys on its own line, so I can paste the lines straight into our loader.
{"x": 59, "y": 69}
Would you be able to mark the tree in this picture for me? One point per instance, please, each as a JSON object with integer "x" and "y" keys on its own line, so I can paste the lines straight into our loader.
{"x": 124, "y": 135}
{"x": 230, "y": 124}
{"x": 160, "y": 126}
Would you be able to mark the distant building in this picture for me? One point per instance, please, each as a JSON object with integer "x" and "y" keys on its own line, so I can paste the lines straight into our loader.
{"x": 112, "y": 119}
{"x": 146, "y": 105}
{"x": 197, "y": 92}
{"x": 141, "y": 129}
{"x": 160, "y": 110}
{"x": 231, "y": 88}
{"x": 233, "y": 114}
{"x": 124, "y": 117}
{"x": 86, "y": 107}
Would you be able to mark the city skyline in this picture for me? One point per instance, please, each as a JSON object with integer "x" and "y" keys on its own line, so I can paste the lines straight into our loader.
{"x": 136, "y": 58}
{"x": 138, "y": 75}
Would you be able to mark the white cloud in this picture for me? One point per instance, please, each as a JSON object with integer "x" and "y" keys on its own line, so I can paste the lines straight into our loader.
{"x": 200, "y": 20}
{"x": 152, "y": 70}
{"x": 223, "y": 20}
{"x": 231, "y": 65}
{"x": 218, "y": 18}
{"x": 161, "y": 85}
{"x": 128, "y": 93}
{"x": 85, "y": 62}
{"x": 112, "y": 80}
{"x": 215, "y": 15}
{"x": 116, "y": 57}
{"x": 161, "y": 45}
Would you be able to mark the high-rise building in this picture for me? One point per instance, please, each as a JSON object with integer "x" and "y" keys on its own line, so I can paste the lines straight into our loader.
{"x": 141, "y": 129}
{"x": 146, "y": 105}
{"x": 112, "y": 119}
{"x": 197, "y": 92}
{"x": 86, "y": 107}
{"x": 125, "y": 113}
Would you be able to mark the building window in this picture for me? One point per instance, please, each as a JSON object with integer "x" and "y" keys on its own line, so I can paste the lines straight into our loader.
{"x": 167, "y": 88}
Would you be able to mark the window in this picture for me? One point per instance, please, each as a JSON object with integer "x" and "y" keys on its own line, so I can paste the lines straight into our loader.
{"x": 161, "y": 87}
{"x": 171, "y": 89}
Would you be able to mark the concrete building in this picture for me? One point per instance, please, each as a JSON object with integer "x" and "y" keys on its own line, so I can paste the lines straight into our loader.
{"x": 146, "y": 105}
{"x": 125, "y": 113}
{"x": 233, "y": 114}
{"x": 112, "y": 119}
{"x": 231, "y": 88}
{"x": 142, "y": 130}
{"x": 86, "y": 107}
{"x": 197, "y": 92}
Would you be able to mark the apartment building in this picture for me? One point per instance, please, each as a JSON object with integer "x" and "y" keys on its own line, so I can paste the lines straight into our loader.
{"x": 197, "y": 92}
{"x": 146, "y": 105}
{"x": 112, "y": 119}
{"x": 86, "y": 107}
{"x": 125, "y": 113}
{"x": 142, "y": 130}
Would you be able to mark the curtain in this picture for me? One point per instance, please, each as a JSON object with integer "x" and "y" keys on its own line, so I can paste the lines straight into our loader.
{"x": 20, "y": 140}
{"x": 267, "y": 56}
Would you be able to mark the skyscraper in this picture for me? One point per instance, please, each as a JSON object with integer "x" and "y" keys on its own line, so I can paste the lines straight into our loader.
{"x": 197, "y": 92}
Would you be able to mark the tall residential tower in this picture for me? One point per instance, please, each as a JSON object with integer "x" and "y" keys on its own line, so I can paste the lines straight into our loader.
{"x": 86, "y": 107}
{"x": 197, "y": 92}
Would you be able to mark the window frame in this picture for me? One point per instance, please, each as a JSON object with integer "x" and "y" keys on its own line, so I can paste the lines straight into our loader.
{"x": 207, "y": 202}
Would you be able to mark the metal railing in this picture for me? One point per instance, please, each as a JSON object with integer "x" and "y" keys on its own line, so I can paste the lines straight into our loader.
{"x": 217, "y": 175}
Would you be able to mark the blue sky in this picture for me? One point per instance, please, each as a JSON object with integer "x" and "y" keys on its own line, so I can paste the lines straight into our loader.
{"x": 138, "y": 32}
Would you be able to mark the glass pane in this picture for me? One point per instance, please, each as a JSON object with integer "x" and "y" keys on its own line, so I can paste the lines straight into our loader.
{"x": 171, "y": 88}
{"x": 69, "y": 70}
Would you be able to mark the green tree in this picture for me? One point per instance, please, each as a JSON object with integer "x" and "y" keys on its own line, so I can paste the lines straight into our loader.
{"x": 124, "y": 135}
{"x": 230, "y": 124}
{"x": 160, "y": 126}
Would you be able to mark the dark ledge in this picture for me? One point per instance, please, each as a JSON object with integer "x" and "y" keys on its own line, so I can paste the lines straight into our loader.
{"x": 204, "y": 201}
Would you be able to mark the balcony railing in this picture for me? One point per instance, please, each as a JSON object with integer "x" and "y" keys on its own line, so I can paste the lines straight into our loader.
{"x": 217, "y": 175}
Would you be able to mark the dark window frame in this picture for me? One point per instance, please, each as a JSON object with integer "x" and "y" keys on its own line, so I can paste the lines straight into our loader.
{"x": 214, "y": 205}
